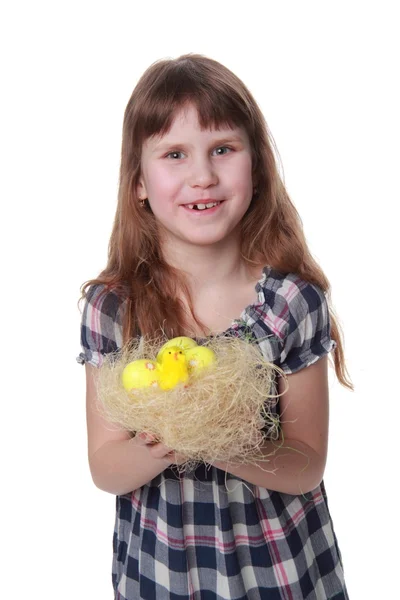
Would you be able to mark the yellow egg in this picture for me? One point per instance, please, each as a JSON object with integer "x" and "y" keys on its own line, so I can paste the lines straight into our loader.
{"x": 139, "y": 373}
{"x": 199, "y": 358}
{"x": 181, "y": 342}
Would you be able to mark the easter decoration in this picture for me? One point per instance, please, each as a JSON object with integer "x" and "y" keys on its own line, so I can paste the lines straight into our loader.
{"x": 175, "y": 361}
{"x": 206, "y": 402}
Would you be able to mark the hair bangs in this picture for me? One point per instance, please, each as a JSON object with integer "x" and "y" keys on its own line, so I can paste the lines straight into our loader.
{"x": 177, "y": 85}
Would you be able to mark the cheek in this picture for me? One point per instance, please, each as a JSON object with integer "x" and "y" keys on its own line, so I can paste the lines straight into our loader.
{"x": 162, "y": 182}
{"x": 241, "y": 177}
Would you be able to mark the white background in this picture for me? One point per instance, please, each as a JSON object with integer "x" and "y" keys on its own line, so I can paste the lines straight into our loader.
{"x": 325, "y": 74}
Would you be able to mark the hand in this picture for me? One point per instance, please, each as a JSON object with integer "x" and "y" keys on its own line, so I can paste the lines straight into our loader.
{"x": 159, "y": 450}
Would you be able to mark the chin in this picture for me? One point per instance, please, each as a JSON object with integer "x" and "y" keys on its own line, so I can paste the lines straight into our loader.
{"x": 203, "y": 241}
{"x": 216, "y": 237}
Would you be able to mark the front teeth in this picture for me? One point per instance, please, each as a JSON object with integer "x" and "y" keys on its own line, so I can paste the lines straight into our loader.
{"x": 203, "y": 206}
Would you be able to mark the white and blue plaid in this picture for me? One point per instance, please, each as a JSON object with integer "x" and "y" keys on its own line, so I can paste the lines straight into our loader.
{"x": 205, "y": 535}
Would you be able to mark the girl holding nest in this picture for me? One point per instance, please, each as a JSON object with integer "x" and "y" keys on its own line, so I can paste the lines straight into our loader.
{"x": 205, "y": 233}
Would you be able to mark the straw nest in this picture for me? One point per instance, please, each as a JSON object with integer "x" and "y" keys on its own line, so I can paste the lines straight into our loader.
{"x": 224, "y": 414}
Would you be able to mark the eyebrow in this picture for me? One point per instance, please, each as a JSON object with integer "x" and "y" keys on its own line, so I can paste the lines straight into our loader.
{"x": 217, "y": 142}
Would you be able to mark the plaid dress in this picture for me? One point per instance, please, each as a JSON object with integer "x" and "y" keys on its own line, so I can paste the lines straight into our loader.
{"x": 207, "y": 535}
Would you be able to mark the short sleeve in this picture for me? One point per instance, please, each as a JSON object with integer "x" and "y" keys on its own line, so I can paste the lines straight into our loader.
{"x": 307, "y": 336}
{"x": 101, "y": 326}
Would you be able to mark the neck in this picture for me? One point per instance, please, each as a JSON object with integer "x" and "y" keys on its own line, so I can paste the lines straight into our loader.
{"x": 210, "y": 266}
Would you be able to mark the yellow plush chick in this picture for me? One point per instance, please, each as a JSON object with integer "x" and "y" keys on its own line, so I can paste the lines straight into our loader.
{"x": 171, "y": 367}
{"x": 139, "y": 374}
{"x": 198, "y": 358}
{"x": 182, "y": 342}
{"x": 177, "y": 359}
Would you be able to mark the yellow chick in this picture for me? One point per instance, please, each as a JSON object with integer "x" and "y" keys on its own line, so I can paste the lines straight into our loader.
{"x": 177, "y": 359}
{"x": 184, "y": 343}
{"x": 171, "y": 367}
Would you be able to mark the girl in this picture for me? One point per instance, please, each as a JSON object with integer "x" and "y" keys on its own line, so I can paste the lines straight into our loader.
{"x": 205, "y": 233}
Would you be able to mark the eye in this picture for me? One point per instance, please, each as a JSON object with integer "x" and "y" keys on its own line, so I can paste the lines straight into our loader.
{"x": 176, "y": 154}
{"x": 221, "y": 150}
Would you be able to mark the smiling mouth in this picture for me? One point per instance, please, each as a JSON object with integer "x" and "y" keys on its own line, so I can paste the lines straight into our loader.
{"x": 202, "y": 206}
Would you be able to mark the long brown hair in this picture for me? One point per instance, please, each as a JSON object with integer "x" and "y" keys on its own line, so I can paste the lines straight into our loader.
{"x": 272, "y": 232}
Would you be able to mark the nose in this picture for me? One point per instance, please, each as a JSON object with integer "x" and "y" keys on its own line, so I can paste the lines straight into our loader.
{"x": 202, "y": 173}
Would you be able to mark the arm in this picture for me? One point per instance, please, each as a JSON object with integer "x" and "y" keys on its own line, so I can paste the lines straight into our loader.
{"x": 119, "y": 463}
{"x": 298, "y": 459}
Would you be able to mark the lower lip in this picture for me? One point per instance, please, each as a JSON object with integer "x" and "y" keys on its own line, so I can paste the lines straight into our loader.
{"x": 199, "y": 213}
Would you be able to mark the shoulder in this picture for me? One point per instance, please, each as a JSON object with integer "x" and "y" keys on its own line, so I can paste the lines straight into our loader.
{"x": 101, "y": 327}
{"x": 285, "y": 300}
{"x": 291, "y": 318}
{"x": 102, "y": 310}
{"x": 290, "y": 287}
{"x": 102, "y": 299}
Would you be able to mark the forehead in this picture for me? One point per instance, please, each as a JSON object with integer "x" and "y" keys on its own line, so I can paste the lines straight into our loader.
{"x": 186, "y": 122}
{"x": 189, "y": 116}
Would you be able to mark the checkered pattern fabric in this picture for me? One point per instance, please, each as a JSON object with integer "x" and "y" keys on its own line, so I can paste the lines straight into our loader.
{"x": 207, "y": 535}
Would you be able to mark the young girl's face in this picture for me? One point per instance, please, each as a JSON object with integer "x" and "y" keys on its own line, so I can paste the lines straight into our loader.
{"x": 198, "y": 182}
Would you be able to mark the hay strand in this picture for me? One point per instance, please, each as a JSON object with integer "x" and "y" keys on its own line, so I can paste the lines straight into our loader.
{"x": 225, "y": 414}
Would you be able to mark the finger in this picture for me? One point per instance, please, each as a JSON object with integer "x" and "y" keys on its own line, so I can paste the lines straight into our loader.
{"x": 177, "y": 459}
{"x": 141, "y": 439}
{"x": 159, "y": 450}
{"x": 146, "y": 438}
